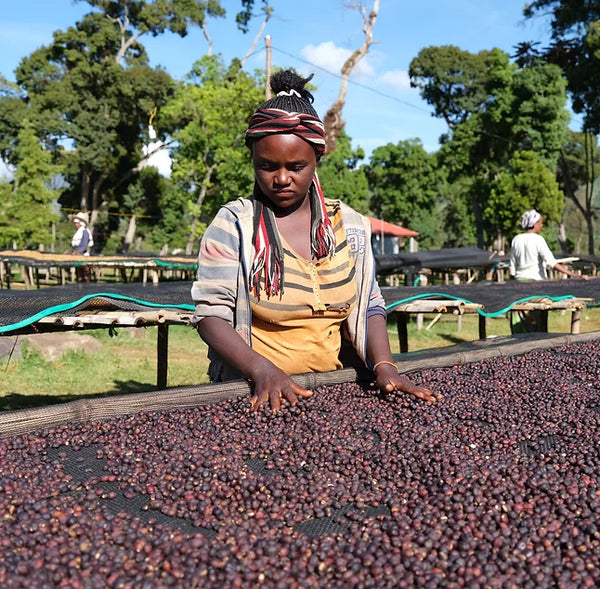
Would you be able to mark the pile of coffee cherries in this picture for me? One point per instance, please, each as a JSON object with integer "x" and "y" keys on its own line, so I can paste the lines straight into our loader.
{"x": 495, "y": 485}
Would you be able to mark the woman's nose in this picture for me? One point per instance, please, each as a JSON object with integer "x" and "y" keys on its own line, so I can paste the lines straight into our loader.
{"x": 282, "y": 177}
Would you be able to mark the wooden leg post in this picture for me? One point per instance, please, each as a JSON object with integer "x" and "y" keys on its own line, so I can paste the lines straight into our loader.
{"x": 544, "y": 321}
{"x": 162, "y": 356}
{"x": 402, "y": 324}
{"x": 482, "y": 326}
{"x": 576, "y": 321}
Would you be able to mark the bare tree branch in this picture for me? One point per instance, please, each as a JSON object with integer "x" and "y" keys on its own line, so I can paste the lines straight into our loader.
{"x": 267, "y": 12}
{"x": 334, "y": 124}
{"x": 207, "y": 37}
{"x": 123, "y": 28}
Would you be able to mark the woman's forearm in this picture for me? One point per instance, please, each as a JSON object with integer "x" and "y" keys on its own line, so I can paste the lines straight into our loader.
{"x": 228, "y": 344}
{"x": 378, "y": 343}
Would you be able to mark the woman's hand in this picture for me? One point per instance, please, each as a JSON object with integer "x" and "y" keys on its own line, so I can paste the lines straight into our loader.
{"x": 275, "y": 386}
{"x": 388, "y": 379}
{"x": 271, "y": 384}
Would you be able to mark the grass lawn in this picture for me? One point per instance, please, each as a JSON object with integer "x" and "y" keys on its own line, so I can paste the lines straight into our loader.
{"x": 127, "y": 362}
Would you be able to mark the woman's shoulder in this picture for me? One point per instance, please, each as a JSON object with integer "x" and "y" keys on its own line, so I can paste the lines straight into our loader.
{"x": 337, "y": 206}
{"x": 238, "y": 207}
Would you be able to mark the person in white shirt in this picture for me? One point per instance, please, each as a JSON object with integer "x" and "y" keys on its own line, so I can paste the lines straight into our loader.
{"x": 530, "y": 254}
{"x": 82, "y": 243}
{"x": 529, "y": 258}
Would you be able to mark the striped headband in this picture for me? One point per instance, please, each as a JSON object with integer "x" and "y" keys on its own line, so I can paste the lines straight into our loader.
{"x": 269, "y": 121}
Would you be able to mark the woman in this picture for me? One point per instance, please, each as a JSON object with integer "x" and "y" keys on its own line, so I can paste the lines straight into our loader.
{"x": 81, "y": 244}
{"x": 284, "y": 277}
{"x": 82, "y": 241}
{"x": 530, "y": 254}
{"x": 529, "y": 258}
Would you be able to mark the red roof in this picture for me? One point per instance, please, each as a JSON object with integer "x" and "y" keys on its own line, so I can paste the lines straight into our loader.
{"x": 380, "y": 226}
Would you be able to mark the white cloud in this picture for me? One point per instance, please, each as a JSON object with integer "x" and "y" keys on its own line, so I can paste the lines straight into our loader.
{"x": 159, "y": 158}
{"x": 397, "y": 80}
{"x": 331, "y": 58}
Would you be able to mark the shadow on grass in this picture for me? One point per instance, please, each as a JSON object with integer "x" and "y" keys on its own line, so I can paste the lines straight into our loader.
{"x": 452, "y": 339}
{"x": 16, "y": 401}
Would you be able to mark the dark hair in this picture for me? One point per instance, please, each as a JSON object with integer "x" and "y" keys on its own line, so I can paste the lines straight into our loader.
{"x": 285, "y": 81}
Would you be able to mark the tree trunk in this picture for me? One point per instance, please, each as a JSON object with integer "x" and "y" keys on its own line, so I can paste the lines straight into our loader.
{"x": 562, "y": 238}
{"x": 189, "y": 248}
{"x": 334, "y": 124}
{"x": 129, "y": 234}
{"x": 478, "y": 221}
{"x": 267, "y": 11}
{"x": 499, "y": 242}
{"x": 85, "y": 190}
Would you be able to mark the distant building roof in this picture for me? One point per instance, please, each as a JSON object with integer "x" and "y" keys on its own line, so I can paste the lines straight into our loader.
{"x": 380, "y": 226}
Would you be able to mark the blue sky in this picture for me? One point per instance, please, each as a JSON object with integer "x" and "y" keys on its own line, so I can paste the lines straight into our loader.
{"x": 316, "y": 36}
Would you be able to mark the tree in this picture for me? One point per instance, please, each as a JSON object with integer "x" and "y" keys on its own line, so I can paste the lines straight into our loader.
{"x": 578, "y": 171}
{"x": 13, "y": 111}
{"x": 526, "y": 184}
{"x": 575, "y": 47}
{"x": 511, "y": 109}
{"x": 89, "y": 93}
{"x": 210, "y": 114}
{"x": 26, "y": 214}
{"x": 81, "y": 94}
{"x": 405, "y": 184}
{"x": 451, "y": 80}
{"x": 333, "y": 122}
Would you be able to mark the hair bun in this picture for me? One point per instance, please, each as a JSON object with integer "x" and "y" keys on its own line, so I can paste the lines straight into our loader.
{"x": 287, "y": 80}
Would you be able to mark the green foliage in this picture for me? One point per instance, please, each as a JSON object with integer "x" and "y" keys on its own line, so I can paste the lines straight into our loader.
{"x": 209, "y": 116}
{"x": 83, "y": 94}
{"x": 575, "y": 48}
{"x": 458, "y": 215}
{"x": 243, "y": 17}
{"x": 156, "y": 17}
{"x": 341, "y": 178}
{"x": 451, "y": 80}
{"x": 407, "y": 188}
{"x": 13, "y": 111}
{"x": 578, "y": 174}
{"x": 526, "y": 184}
{"x": 92, "y": 90}
{"x": 26, "y": 214}
{"x": 521, "y": 109}
{"x": 527, "y": 111}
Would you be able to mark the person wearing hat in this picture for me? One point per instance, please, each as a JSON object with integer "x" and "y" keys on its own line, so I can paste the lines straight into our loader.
{"x": 82, "y": 243}
{"x": 530, "y": 254}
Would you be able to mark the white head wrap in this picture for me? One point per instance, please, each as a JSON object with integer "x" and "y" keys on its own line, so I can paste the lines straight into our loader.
{"x": 530, "y": 218}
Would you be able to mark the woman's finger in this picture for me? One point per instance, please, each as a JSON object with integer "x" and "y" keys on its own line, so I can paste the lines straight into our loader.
{"x": 275, "y": 401}
{"x": 298, "y": 390}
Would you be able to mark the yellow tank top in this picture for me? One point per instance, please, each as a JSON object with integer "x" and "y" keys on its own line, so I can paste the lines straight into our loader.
{"x": 301, "y": 331}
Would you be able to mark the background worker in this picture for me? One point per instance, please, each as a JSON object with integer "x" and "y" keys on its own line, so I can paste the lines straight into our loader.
{"x": 81, "y": 244}
{"x": 530, "y": 254}
{"x": 529, "y": 258}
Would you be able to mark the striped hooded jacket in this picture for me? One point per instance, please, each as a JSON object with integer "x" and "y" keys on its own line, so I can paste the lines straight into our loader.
{"x": 222, "y": 285}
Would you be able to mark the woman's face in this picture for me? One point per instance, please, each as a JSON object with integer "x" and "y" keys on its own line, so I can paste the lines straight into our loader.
{"x": 284, "y": 167}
